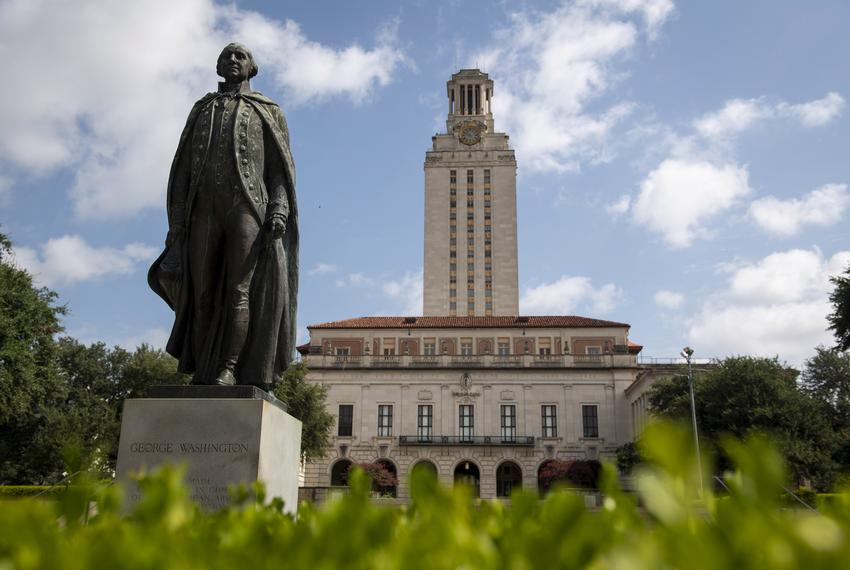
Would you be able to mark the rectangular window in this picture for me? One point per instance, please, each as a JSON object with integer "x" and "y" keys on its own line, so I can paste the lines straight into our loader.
{"x": 508, "y": 423}
{"x": 469, "y": 177}
{"x": 430, "y": 348}
{"x": 346, "y": 420}
{"x": 593, "y": 350}
{"x": 466, "y": 422}
{"x": 590, "y": 420}
{"x": 453, "y": 306}
{"x": 342, "y": 351}
{"x": 550, "y": 420}
{"x": 424, "y": 422}
{"x": 466, "y": 348}
{"x": 452, "y": 176}
{"x": 385, "y": 420}
{"x": 504, "y": 347}
{"x": 486, "y": 176}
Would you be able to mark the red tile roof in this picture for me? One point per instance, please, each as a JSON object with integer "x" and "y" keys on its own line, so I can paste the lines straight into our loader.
{"x": 501, "y": 322}
{"x": 635, "y": 348}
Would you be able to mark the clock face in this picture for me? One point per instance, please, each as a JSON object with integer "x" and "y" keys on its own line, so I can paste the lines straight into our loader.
{"x": 470, "y": 135}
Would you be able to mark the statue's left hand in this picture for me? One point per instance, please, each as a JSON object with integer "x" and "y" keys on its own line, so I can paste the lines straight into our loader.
{"x": 276, "y": 226}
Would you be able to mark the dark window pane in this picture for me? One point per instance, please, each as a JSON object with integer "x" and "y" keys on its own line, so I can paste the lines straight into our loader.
{"x": 346, "y": 418}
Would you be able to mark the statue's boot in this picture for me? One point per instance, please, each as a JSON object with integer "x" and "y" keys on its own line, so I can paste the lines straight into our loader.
{"x": 233, "y": 346}
{"x": 226, "y": 378}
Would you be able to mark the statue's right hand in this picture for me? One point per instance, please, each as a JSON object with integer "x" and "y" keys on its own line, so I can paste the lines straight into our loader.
{"x": 174, "y": 234}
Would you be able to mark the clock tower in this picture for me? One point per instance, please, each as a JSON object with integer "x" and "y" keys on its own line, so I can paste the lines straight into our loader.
{"x": 470, "y": 208}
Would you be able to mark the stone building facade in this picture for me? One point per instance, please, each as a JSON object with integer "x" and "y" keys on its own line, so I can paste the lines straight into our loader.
{"x": 471, "y": 389}
{"x": 480, "y": 399}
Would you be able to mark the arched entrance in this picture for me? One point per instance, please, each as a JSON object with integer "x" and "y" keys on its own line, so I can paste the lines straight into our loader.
{"x": 466, "y": 473}
{"x": 425, "y": 467}
{"x": 508, "y": 478}
{"x": 339, "y": 473}
{"x": 389, "y": 490}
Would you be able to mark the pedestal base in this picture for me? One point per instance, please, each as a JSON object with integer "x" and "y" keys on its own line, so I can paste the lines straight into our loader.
{"x": 241, "y": 437}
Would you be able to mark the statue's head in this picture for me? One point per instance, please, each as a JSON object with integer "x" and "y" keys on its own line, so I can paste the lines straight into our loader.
{"x": 236, "y": 64}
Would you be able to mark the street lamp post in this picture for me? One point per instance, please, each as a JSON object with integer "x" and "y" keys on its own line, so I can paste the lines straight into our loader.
{"x": 687, "y": 352}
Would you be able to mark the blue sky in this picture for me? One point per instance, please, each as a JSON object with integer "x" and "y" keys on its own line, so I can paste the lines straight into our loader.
{"x": 682, "y": 166}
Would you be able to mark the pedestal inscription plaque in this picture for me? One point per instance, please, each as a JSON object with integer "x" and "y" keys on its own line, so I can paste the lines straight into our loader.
{"x": 221, "y": 441}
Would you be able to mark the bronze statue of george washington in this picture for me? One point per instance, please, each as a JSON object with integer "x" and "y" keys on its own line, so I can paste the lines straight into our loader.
{"x": 230, "y": 265}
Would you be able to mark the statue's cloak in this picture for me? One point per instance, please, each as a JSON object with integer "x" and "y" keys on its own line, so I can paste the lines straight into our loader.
{"x": 273, "y": 295}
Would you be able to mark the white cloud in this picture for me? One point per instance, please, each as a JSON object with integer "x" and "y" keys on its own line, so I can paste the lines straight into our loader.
{"x": 322, "y": 269}
{"x": 109, "y": 86}
{"x": 680, "y": 196}
{"x": 406, "y": 293}
{"x": 156, "y": 337}
{"x": 567, "y": 295}
{"x": 668, "y": 299}
{"x": 620, "y": 207}
{"x": 776, "y": 306}
{"x": 355, "y": 280}
{"x": 69, "y": 259}
{"x": 816, "y": 113}
{"x": 822, "y": 207}
{"x": 550, "y": 66}
{"x": 738, "y": 115}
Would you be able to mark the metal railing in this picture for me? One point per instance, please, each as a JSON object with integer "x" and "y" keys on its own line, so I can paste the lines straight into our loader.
{"x": 517, "y": 440}
{"x": 608, "y": 360}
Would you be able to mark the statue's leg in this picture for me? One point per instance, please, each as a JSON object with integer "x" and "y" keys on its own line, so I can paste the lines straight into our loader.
{"x": 243, "y": 243}
{"x": 205, "y": 242}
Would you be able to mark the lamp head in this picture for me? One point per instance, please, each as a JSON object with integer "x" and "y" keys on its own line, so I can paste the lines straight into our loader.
{"x": 687, "y": 352}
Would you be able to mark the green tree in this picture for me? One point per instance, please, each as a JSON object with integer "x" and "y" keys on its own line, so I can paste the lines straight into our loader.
{"x": 30, "y": 387}
{"x": 743, "y": 395}
{"x": 826, "y": 378}
{"x": 839, "y": 319}
{"x": 98, "y": 380}
{"x": 306, "y": 401}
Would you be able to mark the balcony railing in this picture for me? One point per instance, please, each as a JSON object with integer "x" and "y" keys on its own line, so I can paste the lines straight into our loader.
{"x": 472, "y": 361}
{"x": 517, "y": 440}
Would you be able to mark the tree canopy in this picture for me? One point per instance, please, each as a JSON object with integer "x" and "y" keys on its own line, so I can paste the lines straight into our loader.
{"x": 745, "y": 395}
{"x": 306, "y": 401}
{"x": 839, "y": 319}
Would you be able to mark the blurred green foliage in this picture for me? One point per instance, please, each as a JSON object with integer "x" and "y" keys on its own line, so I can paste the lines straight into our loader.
{"x": 678, "y": 527}
{"x": 745, "y": 395}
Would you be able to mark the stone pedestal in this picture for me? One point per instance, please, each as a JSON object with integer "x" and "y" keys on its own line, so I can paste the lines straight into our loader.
{"x": 224, "y": 435}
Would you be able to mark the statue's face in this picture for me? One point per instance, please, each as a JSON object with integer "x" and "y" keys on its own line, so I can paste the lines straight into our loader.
{"x": 234, "y": 65}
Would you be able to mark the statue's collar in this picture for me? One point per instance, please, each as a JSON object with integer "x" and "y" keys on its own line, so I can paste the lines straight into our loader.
{"x": 234, "y": 88}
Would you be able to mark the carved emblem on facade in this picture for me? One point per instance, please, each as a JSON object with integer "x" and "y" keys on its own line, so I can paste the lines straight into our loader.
{"x": 465, "y": 392}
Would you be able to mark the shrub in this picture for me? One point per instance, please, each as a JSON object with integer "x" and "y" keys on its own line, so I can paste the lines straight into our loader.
{"x": 444, "y": 528}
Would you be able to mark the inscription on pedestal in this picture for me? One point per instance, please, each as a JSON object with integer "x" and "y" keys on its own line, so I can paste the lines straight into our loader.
{"x": 221, "y": 443}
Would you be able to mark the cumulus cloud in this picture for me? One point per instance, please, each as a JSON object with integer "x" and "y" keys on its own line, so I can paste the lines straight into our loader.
{"x": 157, "y": 337}
{"x": 311, "y": 72}
{"x": 108, "y": 96}
{"x": 668, "y": 299}
{"x": 815, "y": 113}
{"x": 568, "y": 295}
{"x": 620, "y": 207}
{"x": 550, "y": 66}
{"x": 69, "y": 259}
{"x": 738, "y": 115}
{"x": 355, "y": 280}
{"x": 822, "y": 207}
{"x": 775, "y": 306}
{"x": 406, "y": 293}
{"x": 680, "y": 196}
{"x": 322, "y": 269}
